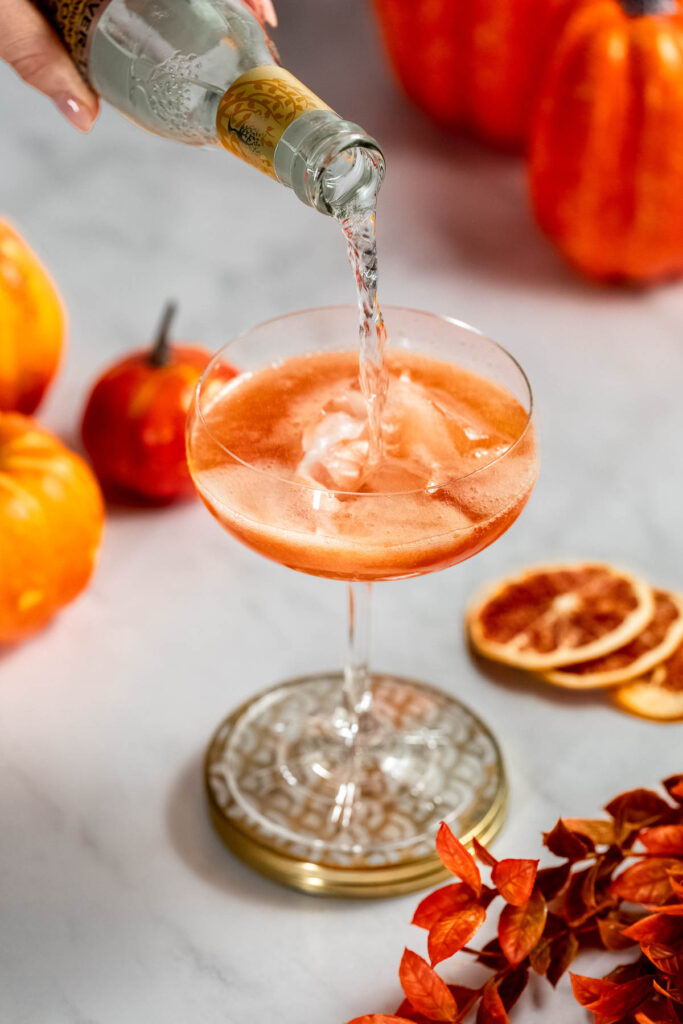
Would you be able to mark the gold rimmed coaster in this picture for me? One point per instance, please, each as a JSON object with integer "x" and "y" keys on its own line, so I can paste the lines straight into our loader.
{"x": 259, "y": 815}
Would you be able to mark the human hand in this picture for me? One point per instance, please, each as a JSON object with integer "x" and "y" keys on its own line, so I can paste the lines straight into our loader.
{"x": 264, "y": 11}
{"x": 31, "y": 46}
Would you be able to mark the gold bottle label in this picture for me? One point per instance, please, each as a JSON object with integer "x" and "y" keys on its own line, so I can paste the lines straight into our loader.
{"x": 74, "y": 20}
{"x": 256, "y": 109}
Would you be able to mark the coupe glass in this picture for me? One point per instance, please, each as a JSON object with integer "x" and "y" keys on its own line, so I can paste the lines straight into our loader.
{"x": 338, "y": 781}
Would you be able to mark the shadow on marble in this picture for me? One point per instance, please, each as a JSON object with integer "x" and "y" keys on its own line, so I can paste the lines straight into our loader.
{"x": 197, "y": 845}
{"x": 525, "y": 682}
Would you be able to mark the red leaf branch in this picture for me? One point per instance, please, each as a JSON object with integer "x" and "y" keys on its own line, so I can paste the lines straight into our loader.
{"x": 619, "y": 887}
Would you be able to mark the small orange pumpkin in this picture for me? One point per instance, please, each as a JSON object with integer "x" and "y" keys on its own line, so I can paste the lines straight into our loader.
{"x": 606, "y": 154}
{"x": 473, "y": 64}
{"x": 134, "y": 421}
{"x": 51, "y": 517}
{"x": 32, "y": 325}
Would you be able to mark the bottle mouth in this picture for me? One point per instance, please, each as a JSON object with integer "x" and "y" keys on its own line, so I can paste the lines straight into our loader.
{"x": 350, "y": 181}
{"x": 331, "y": 164}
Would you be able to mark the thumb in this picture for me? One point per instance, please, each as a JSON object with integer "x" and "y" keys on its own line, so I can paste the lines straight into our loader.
{"x": 33, "y": 49}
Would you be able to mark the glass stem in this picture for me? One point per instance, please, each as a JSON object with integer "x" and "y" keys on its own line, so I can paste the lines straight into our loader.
{"x": 357, "y": 693}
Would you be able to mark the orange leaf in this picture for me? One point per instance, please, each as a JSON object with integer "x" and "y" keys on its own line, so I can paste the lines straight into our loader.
{"x": 515, "y": 879}
{"x": 491, "y": 1009}
{"x": 452, "y": 933}
{"x": 598, "y": 830}
{"x": 483, "y": 854}
{"x": 611, "y": 1000}
{"x": 564, "y": 843}
{"x": 379, "y": 1018}
{"x": 444, "y": 902}
{"x": 655, "y": 929}
{"x": 637, "y": 807}
{"x": 666, "y": 960}
{"x": 612, "y": 934}
{"x": 666, "y": 839}
{"x": 674, "y": 787}
{"x": 520, "y": 928}
{"x": 646, "y": 881}
{"x": 457, "y": 858}
{"x": 424, "y": 989}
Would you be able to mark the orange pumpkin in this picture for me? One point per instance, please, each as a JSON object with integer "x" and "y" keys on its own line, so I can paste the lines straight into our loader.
{"x": 32, "y": 325}
{"x": 606, "y": 155}
{"x": 134, "y": 421}
{"x": 473, "y": 64}
{"x": 51, "y": 516}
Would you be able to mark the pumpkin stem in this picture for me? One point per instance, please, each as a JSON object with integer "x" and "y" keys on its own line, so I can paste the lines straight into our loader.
{"x": 161, "y": 349}
{"x": 645, "y": 8}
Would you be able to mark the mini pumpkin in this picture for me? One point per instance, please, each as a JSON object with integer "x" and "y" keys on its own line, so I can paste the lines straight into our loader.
{"x": 606, "y": 154}
{"x": 32, "y": 325}
{"x": 51, "y": 518}
{"x": 134, "y": 422}
{"x": 473, "y": 64}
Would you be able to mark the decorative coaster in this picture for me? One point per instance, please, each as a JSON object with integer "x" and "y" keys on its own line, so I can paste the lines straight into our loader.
{"x": 289, "y": 799}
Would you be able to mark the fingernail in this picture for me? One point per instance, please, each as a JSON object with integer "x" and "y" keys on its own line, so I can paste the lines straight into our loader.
{"x": 269, "y": 13}
{"x": 75, "y": 112}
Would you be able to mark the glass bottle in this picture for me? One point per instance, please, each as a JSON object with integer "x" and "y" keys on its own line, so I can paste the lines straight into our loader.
{"x": 204, "y": 72}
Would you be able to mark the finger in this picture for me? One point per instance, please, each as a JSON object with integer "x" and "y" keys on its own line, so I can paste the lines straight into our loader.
{"x": 33, "y": 49}
{"x": 264, "y": 11}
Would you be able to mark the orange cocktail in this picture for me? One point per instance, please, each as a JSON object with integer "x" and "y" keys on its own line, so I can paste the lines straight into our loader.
{"x": 281, "y": 459}
{"x": 328, "y": 778}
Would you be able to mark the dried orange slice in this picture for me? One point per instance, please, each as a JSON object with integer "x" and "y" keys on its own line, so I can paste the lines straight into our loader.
{"x": 559, "y": 614}
{"x": 657, "y": 641}
{"x": 658, "y": 695}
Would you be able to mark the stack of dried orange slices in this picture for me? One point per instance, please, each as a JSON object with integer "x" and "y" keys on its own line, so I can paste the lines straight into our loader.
{"x": 585, "y": 626}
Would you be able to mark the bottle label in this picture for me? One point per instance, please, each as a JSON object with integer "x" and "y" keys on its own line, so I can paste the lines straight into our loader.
{"x": 73, "y": 20}
{"x": 257, "y": 108}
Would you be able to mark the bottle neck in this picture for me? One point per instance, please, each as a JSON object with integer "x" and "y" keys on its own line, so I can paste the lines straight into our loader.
{"x": 331, "y": 164}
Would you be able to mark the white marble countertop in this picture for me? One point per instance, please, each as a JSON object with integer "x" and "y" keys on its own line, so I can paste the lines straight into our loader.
{"x": 117, "y": 903}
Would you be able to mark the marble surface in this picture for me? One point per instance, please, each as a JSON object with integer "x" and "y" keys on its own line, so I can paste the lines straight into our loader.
{"x": 117, "y": 903}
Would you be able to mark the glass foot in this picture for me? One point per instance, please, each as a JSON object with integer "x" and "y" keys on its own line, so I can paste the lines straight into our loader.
{"x": 311, "y": 805}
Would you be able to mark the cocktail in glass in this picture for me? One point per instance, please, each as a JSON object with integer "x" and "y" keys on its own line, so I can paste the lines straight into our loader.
{"x": 336, "y": 782}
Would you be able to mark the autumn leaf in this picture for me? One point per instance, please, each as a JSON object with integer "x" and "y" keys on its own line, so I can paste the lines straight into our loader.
{"x": 637, "y": 807}
{"x": 563, "y": 951}
{"x": 450, "y": 934}
{"x": 609, "y": 999}
{"x": 666, "y": 960}
{"x": 655, "y": 928}
{"x": 539, "y": 957}
{"x": 483, "y": 854}
{"x": 676, "y": 885}
{"x": 520, "y": 928}
{"x": 491, "y": 1009}
{"x": 491, "y": 955}
{"x": 512, "y": 984}
{"x": 646, "y": 881}
{"x": 424, "y": 989}
{"x": 564, "y": 843}
{"x": 515, "y": 879}
{"x": 665, "y": 839}
{"x": 445, "y": 902}
{"x": 598, "y": 830}
{"x": 551, "y": 881}
{"x": 407, "y": 1011}
{"x": 613, "y": 935}
{"x": 379, "y": 1018}
{"x": 457, "y": 858}
{"x": 674, "y": 787}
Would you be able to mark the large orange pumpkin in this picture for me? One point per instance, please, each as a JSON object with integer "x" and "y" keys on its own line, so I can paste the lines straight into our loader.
{"x": 51, "y": 516}
{"x": 474, "y": 64}
{"x": 32, "y": 325}
{"x": 606, "y": 154}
